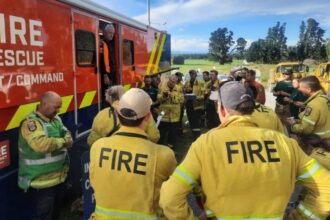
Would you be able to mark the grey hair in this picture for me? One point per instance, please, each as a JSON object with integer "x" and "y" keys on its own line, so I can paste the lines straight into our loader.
{"x": 114, "y": 93}
{"x": 109, "y": 27}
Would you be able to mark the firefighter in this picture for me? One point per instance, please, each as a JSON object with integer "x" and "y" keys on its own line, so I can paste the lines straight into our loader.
{"x": 206, "y": 77}
{"x": 43, "y": 158}
{"x": 296, "y": 100}
{"x": 212, "y": 118}
{"x": 126, "y": 169}
{"x": 106, "y": 121}
{"x": 250, "y": 79}
{"x": 170, "y": 98}
{"x": 238, "y": 163}
{"x": 319, "y": 149}
{"x": 179, "y": 76}
{"x": 264, "y": 116}
{"x": 281, "y": 90}
{"x": 194, "y": 99}
{"x": 315, "y": 119}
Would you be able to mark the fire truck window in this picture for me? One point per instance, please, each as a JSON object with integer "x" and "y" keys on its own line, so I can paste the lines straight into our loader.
{"x": 85, "y": 48}
{"x": 128, "y": 52}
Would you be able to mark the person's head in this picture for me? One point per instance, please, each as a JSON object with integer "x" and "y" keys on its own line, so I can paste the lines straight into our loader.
{"x": 287, "y": 75}
{"x": 295, "y": 83}
{"x": 234, "y": 99}
{"x": 243, "y": 72}
{"x": 109, "y": 32}
{"x": 179, "y": 76}
{"x": 206, "y": 76}
{"x": 311, "y": 141}
{"x": 134, "y": 108}
{"x": 114, "y": 93}
{"x": 213, "y": 75}
{"x": 50, "y": 104}
{"x": 147, "y": 80}
{"x": 193, "y": 75}
{"x": 309, "y": 85}
{"x": 250, "y": 75}
{"x": 155, "y": 80}
{"x": 171, "y": 81}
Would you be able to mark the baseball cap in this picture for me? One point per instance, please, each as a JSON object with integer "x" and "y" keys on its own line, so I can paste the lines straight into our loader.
{"x": 134, "y": 104}
{"x": 233, "y": 93}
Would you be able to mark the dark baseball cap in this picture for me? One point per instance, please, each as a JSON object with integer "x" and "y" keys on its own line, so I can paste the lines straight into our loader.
{"x": 233, "y": 93}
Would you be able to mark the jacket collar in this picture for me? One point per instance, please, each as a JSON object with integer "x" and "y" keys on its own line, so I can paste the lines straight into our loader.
{"x": 44, "y": 118}
{"x": 318, "y": 93}
{"x": 238, "y": 121}
{"x": 133, "y": 130}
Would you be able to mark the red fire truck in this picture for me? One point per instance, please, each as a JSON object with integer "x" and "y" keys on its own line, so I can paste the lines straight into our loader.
{"x": 55, "y": 45}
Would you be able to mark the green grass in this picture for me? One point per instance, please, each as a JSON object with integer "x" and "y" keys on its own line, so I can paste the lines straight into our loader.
{"x": 225, "y": 69}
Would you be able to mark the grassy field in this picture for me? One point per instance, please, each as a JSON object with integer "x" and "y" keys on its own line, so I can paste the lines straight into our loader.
{"x": 225, "y": 69}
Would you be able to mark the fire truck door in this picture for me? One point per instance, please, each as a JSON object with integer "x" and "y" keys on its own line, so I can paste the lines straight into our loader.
{"x": 86, "y": 81}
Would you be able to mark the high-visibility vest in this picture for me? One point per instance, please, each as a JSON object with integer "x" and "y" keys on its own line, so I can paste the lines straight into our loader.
{"x": 33, "y": 164}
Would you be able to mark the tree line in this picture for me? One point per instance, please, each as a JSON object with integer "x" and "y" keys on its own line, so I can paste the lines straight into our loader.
{"x": 273, "y": 49}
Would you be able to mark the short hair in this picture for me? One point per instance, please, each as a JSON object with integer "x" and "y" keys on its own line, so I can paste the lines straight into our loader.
{"x": 192, "y": 72}
{"x": 214, "y": 71}
{"x": 115, "y": 92}
{"x": 130, "y": 122}
{"x": 245, "y": 108}
{"x": 252, "y": 72}
{"x": 109, "y": 27}
{"x": 206, "y": 72}
{"x": 312, "y": 82}
{"x": 245, "y": 68}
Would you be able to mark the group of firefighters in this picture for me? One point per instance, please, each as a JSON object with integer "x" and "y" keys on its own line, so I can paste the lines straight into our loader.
{"x": 246, "y": 167}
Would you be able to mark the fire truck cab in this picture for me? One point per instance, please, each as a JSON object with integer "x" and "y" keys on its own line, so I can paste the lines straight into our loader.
{"x": 57, "y": 45}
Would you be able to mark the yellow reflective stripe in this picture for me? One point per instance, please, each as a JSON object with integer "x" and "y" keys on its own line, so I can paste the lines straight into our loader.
{"x": 66, "y": 100}
{"x": 44, "y": 161}
{"x": 308, "y": 121}
{"x": 48, "y": 183}
{"x": 254, "y": 217}
{"x": 184, "y": 176}
{"x": 306, "y": 212}
{"x": 127, "y": 87}
{"x": 160, "y": 53}
{"x": 25, "y": 109}
{"x": 116, "y": 213}
{"x": 310, "y": 171}
{"x": 152, "y": 56}
{"x": 322, "y": 132}
{"x": 20, "y": 114}
{"x": 88, "y": 99}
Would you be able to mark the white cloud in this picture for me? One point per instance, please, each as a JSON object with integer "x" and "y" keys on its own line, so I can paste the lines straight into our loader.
{"x": 193, "y": 45}
{"x": 176, "y": 13}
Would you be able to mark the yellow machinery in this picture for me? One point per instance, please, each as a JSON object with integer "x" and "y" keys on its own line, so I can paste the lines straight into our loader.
{"x": 322, "y": 72}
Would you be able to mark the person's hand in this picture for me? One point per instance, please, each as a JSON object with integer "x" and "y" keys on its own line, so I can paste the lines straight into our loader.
{"x": 106, "y": 79}
{"x": 68, "y": 141}
{"x": 287, "y": 99}
{"x": 291, "y": 120}
{"x": 166, "y": 94}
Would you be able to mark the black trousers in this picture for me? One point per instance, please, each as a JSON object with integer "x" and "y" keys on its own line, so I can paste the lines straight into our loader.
{"x": 168, "y": 133}
{"x": 46, "y": 203}
{"x": 194, "y": 118}
{"x": 212, "y": 117}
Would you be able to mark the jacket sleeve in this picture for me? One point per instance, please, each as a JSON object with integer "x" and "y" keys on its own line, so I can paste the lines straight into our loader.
{"x": 173, "y": 195}
{"x": 152, "y": 130}
{"x": 308, "y": 120}
{"x": 34, "y": 134}
{"x": 317, "y": 179}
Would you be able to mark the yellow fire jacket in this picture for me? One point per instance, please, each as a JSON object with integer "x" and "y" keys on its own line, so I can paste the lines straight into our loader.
{"x": 126, "y": 173}
{"x": 170, "y": 104}
{"x": 106, "y": 122}
{"x": 316, "y": 117}
{"x": 246, "y": 172}
{"x": 265, "y": 117}
{"x": 197, "y": 89}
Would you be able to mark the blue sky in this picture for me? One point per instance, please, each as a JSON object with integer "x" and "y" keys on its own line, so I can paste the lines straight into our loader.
{"x": 190, "y": 22}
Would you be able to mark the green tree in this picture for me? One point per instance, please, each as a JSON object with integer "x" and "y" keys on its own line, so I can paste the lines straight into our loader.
{"x": 240, "y": 47}
{"x": 178, "y": 60}
{"x": 257, "y": 52}
{"x": 220, "y": 42}
{"x": 327, "y": 45}
{"x": 311, "y": 42}
{"x": 276, "y": 43}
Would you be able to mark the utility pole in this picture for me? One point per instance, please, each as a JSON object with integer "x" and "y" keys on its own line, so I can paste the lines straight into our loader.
{"x": 148, "y": 1}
